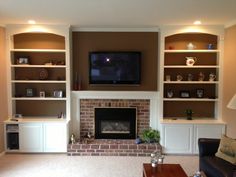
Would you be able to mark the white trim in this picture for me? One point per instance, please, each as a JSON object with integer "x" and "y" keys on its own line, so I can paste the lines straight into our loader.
{"x": 133, "y": 29}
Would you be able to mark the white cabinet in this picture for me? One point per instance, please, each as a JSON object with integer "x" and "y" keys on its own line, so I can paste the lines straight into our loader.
{"x": 39, "y": 137}
{"x": 177, "y": 138}
{"x": 30, "y": 137}
{"x": 207, "y": 131}
{"x": 55, "y": 137}
{"x": 182, "y": 137}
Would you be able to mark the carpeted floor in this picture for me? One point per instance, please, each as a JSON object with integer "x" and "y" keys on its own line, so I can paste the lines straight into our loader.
{"x": 54, "y": 165}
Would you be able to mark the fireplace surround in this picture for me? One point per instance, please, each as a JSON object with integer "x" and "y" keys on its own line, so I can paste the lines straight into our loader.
{"x": 83, "y": 105}
{"x": 115, "y": 123}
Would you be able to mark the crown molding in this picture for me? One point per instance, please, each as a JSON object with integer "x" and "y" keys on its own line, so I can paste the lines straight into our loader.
{"x": 116, "y": 29}
{"x": 230, "y": 24}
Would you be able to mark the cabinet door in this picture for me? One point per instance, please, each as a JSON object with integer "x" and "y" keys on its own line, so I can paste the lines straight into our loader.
{"x": 55, "y": 137}
{"x": 30, "y": 137}
{"x": 177, "y": 138}
{"x": 207, "y": 131}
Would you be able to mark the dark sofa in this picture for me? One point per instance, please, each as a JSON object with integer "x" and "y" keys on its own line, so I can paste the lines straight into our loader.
{"x": 211, "y": 165}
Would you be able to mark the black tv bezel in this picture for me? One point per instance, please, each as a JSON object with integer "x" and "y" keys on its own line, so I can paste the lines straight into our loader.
{"x": 105, "y": 82}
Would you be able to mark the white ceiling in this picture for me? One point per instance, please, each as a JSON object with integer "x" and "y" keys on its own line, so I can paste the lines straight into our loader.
{"x": 118, "y": 13}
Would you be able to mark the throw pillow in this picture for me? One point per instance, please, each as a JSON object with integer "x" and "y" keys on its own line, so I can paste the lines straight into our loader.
{"x": 227, "y": 149}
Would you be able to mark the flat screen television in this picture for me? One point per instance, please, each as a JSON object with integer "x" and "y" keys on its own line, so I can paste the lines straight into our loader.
{"x": 114, "y": 67}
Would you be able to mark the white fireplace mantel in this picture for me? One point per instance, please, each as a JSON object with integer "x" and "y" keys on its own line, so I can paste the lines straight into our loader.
{"x": 152, "y": 96}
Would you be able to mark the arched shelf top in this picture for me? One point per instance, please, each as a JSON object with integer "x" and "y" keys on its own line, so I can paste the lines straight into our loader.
{"x": 199, "y": 40}
{"x": 38, "y": 40}
{"x": 190, "y": 34}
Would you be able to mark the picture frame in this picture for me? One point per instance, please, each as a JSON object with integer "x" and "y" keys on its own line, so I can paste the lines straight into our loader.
{"x": 58, "y": 93}
{"x": 42, "y": 94}
{"x": 184, "y": 94}
{"x": 200, "y": 93}
{"x": 23, "y": 61}
{"x": 29, "y": 92}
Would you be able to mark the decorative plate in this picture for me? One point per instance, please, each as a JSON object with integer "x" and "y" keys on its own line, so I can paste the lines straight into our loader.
{"x": 43, "y": 74}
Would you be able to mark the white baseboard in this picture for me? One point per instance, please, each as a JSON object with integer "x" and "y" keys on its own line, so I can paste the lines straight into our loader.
{"x": 2, "y": 153}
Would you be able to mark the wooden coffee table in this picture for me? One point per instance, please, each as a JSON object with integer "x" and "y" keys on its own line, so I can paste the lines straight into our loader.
{"x": 163, "y": 170}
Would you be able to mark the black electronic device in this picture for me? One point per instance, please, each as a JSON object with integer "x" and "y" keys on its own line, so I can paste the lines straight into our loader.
{"x": 115, "y": 68}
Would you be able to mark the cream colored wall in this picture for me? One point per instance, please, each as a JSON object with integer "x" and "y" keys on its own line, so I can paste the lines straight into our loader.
{"x": 3, "y": 86}
{"x": 229, "y": 80}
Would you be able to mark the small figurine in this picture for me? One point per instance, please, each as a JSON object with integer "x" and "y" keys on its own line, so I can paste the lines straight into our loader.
{"x": 72, "y": 138}
{"x": 201, "y": 76}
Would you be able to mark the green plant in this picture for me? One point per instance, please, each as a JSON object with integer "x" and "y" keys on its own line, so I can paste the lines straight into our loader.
{"x": 151, "y": 136}
{"x": 189, "y": 113}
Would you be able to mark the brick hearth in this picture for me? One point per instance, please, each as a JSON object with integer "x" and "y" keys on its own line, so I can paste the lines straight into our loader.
{"x": 112, "y": 148}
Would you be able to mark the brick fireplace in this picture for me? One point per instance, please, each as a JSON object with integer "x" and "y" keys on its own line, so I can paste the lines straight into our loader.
{"x": 87, "y": 107}
{"x": 83, "y": 121}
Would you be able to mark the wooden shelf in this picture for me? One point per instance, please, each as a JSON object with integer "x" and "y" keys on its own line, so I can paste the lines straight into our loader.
{"x": 38, "y": 81}
{"x": 39, "y": 98}
{"x": 190, "y": 99}
{"x": 38, "y": 66}
{"x": 191, "y": 82}
{"x": 37, "y": 50}
{"x": 191, "y": 67}
{"x": 191, "y": 51}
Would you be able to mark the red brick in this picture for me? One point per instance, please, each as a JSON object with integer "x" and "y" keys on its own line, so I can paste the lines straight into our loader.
{"x": 114, "y": 146}
{"x": 90, "y": 150}
{"x": 132, "y": 146}
{"x": 123, "y": 154}
{"x": 123, "y": 146}
{"x": 94, "y": 146}
{"x": 104, "y": 146}
{"x": 95, "y": 154}
{"x": 75, "y": 146}
{"x": 99, "y": 150}
{"x": 142, "y": 146}
{"x": 86, "y": 146}
{"x": 132, "y": 154}
{"x": 79, "y": 150}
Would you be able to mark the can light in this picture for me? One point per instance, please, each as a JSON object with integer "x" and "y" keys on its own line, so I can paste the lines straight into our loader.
{"x": 197, "y": 22}
{"x": 32, "y": 22}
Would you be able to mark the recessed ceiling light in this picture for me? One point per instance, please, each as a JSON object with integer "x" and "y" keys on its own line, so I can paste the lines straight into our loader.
{"x": 197, "y": 22}
{"x": 32, "y": 22}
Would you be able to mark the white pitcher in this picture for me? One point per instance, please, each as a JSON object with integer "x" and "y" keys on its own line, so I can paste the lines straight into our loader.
{"x": 190, "y": 61}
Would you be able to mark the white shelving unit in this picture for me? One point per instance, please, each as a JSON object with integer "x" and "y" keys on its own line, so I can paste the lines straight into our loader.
{"x": 47, "y": 48}
{"x": 179, "y": 135}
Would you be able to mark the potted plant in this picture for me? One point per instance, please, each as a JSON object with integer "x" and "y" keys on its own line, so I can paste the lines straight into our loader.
{"x": 151, "y": 136}
{"x": 189, "y": 114}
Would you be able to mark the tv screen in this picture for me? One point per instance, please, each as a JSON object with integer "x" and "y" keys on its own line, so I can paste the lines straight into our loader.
{"x": 114, "y": 67}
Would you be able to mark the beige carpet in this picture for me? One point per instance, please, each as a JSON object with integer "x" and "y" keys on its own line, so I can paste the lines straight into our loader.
{"x": 48, "y": 165}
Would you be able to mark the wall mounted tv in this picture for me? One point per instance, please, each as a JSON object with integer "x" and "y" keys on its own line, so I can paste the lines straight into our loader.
{"x": 114, "y": 68}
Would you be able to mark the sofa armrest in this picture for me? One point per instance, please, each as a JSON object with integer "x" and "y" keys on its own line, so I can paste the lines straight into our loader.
{"x": 208, "y": 146}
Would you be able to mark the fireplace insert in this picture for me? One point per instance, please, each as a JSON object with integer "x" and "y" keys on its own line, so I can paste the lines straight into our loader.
{"x": 115, "y": 123}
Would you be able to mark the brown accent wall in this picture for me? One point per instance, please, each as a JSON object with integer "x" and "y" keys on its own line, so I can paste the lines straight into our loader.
{"x": 229, "y": 81}
{"x": 146, "y": 42}
{"x": 3, "y": 86}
